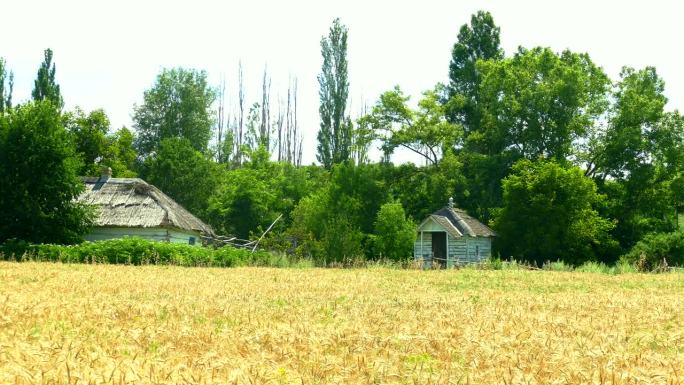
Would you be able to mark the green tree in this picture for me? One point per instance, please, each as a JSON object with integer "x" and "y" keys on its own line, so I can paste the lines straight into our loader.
{"x": 335, "y": 136}
{"x": 5, "y": 90}
{"x": 39, "y": 173}
{"x": 394, "y": 232}
{"x": 177, "y": 106}
{"x": 120, "y": 154}
{"x": 45, "y": 86}
{"x": 250, "y": 198}
{"x": 183, "y": 173}
{"x": 537, "y": 103}
{"x": 335, "y": 222}
{"x": 90, "y": 137}
{"x": 637, "y": 160}
{"x": 242, "y": 204}
{"x": 477, "y": 41}
{"x": 550, "y": 212}
{"x": 424, "y": 131}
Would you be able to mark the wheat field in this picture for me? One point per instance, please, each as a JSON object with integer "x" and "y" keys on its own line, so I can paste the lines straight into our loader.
{"x": 99, "y": 324}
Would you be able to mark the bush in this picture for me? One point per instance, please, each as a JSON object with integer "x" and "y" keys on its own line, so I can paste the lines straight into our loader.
{"x": 556, "y": 266}
{"x": 136, "y": 251}
{"x": 594, "y": 267}
{"x": 653, "y": 249}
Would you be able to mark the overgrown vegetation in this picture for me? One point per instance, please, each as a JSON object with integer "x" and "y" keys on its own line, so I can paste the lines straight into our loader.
{"x": 135, "y": 251}
{"x": 565, "y": 163}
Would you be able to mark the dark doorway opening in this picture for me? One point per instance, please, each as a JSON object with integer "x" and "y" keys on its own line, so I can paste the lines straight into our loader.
{"x": 439, "y": 251}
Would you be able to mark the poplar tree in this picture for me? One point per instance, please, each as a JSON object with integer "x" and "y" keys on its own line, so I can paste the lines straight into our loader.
{"x": 45, "y": 87}
{"x": 335, "y": 135}
{"x": 5, "y": 93}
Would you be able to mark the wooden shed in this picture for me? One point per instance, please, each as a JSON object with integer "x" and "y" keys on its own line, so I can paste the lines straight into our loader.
{"x": 450, "y": 237}
{"x": 132, "y": 207}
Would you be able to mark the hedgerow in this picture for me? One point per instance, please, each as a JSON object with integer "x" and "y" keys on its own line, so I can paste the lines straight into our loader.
{"x": 136, "y": 251}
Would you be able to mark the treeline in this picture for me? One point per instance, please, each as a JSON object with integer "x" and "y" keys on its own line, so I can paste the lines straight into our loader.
{"x": 562, "y": 161}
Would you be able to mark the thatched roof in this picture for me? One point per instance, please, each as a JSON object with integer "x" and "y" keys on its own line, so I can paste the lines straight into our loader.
{"x": 132, "y": 202}
{"x": 458, "y": 223}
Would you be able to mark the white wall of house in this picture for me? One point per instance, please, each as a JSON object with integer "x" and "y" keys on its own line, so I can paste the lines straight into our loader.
{"x": 159, "y": 234}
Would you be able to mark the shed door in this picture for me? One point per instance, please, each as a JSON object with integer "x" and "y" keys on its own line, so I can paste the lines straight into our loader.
{"x": 439, "y": 248}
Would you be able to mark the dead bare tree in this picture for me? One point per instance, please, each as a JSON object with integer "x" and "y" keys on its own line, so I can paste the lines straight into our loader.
{"x": 220, "y": 119}
{"x": 241, "y": 116}
{"x": 265, "y": 126}
{"x": 279, "y": 128}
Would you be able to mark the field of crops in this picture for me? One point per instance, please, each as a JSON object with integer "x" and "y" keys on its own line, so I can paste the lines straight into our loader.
{"x": 97, "y": 324}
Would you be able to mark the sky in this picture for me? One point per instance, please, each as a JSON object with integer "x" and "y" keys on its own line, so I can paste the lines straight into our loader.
{"x": 107, "y": 53}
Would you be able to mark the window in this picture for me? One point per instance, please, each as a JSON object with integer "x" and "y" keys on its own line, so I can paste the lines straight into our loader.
{"x": 191, "y": 240}
{"x": 477, "y": 251}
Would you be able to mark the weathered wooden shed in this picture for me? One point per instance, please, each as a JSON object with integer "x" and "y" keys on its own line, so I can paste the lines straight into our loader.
{"x": 450, "y": 237}
{"x": 132, "y": 207}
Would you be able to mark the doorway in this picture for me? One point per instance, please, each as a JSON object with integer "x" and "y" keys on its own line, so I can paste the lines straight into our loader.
{"x": 439, "y": 251}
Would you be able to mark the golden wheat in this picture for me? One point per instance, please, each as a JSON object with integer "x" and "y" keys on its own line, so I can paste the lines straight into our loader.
{"x": 95, "y": 324}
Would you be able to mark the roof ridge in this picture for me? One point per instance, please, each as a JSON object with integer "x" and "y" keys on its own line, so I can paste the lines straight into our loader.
{"x": 462, "y": 221}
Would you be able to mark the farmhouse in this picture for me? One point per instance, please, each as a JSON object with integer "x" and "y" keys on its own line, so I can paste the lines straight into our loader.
{"x": 450, "y": 237}
{"x": 132, "y": 207}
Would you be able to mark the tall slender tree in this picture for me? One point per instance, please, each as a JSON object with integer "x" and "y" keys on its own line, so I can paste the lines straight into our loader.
{"x": 334, "y": 138}
{"x": 45, "y": 87}
{"x": 5, "y": 93}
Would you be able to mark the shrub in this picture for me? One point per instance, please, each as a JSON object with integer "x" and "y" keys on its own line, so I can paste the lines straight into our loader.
{"x": 556, "y": 266}
{"x": 136, "y": 251}
{"x": 653, "y": 249}
{"x": 594, "y": 267}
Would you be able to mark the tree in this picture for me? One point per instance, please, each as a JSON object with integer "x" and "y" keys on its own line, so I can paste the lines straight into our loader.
{"x": 39, "y": 174}
{"x": 637, "y": 161}
{"x": 538, "y": 103}
{"x": 477, "y": 41}
{"x": 120, "y": 154}
{"x": 242, "y": 203}
{"x": 177, "y": 106}
{"x": 5, "y": 93}
{"x": 394, "y": 232}
{"x": 45, "y": 86}
{"x": 183, "y": 173}
{"x": 535, "y": 104}
{"x": 334, "y": 137}
{"x": 424, "y": 131}
{"x": 90, "y": 137}
{"x": 550, "y": 212}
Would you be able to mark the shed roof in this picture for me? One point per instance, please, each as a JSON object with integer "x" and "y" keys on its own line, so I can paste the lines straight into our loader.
{"x": 132, "y": 202}
{"x": 458, "y": 223}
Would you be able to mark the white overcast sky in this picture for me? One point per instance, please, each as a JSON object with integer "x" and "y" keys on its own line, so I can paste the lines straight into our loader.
{"x": 108, "y": 52}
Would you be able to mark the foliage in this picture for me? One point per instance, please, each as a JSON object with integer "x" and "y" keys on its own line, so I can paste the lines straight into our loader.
{"x": 5, "y": 93}
{"x": 120, "y": 154}
{"x": 45, "y": 86}
{"x": 90, "y": 137}
{"x": 177, "y": 106}
{"x": 335, "y": 135}
{"x": 37, "y": 191}
{"x": 394, "y": 233}
{"x": 538, "y": 103}
{"x": 477, "y": 41}
{"x": 333, "y": 223}
{"x": 637, "y": 161}
{"x": 549, "y": 212}
{"x": 650, "y": 252}
{"x": 424, "y": 131}
{"x": 136, "y": 251}
{"x": 183, "y": 173}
